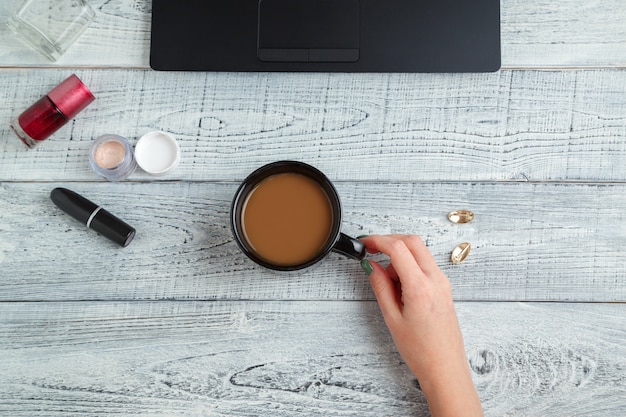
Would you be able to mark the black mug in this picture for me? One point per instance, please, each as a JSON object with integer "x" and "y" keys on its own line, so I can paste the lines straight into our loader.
{"x": 306, "y": 184}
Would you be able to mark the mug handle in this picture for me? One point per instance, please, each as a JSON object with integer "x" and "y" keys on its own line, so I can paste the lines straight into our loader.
{"x": 350, "y": 247}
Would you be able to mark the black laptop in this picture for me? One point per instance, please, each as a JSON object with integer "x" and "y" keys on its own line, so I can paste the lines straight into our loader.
{"x": 326, "y": 35}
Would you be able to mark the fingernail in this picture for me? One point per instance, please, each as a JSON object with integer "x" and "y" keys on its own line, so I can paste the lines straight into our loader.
{"x": 367, "y": 267}
{"x": 362, "y": 236}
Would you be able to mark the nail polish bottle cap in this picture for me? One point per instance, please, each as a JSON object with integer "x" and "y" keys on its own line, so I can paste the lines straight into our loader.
{"x": 157, "y": 153}
{"x": 71, "y": 96}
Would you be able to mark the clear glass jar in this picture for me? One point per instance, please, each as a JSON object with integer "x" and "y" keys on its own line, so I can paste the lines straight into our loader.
{"x": 51, "y": 26}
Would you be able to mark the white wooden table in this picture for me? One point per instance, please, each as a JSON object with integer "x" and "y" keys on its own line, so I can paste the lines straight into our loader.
{"x": 180, "y": 323}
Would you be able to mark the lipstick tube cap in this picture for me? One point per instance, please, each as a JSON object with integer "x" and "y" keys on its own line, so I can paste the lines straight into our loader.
{"x": 113, "y": 228}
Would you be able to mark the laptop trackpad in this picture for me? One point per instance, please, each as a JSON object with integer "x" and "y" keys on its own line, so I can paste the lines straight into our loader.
{"x": 308, "y": 30}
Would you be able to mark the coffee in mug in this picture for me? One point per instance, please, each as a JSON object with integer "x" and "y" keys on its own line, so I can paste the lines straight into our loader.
{"x": 287, "y": 216}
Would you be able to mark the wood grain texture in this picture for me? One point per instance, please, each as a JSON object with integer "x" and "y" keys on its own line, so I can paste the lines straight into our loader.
{"x": 560, "y": 242}
{"x": 535, "y": 33}
{"x": 297, "y": 359}
{"x": 512, "y": 125}
{"x": 180, "y": 323}
{"x": 571, "y": 33}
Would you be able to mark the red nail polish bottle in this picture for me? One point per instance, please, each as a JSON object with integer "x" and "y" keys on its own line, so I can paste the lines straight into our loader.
{"x": 52, "y": 111}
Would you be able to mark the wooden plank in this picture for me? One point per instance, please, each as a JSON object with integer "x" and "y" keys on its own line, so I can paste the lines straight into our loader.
{"x": 561, "y": 242}
{"x": 544, "y": 33}
{"x": 513, "y": 125}
{"x": 301, "y": 358}
{"x": 535, "y": 33}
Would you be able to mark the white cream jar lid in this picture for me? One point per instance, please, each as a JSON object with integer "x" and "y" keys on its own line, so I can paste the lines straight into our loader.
{"x": 157, "y": 153}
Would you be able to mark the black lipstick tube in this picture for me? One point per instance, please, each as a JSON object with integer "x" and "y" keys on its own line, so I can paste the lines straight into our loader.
{"x": 93, "y": 216}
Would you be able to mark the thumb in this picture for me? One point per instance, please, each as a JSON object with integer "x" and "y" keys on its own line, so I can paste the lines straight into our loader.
{"x": 383, "y": 287}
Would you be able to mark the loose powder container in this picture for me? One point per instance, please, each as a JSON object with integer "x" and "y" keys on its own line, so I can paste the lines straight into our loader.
{"x": 111, "y": 156}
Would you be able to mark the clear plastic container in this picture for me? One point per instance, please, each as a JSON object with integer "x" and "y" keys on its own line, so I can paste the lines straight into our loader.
{"x": 112, "y": 157}
{"x": 51, "y": 26}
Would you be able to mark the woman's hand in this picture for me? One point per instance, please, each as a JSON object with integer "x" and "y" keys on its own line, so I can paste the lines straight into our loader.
{"x": 415, "y": 298}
